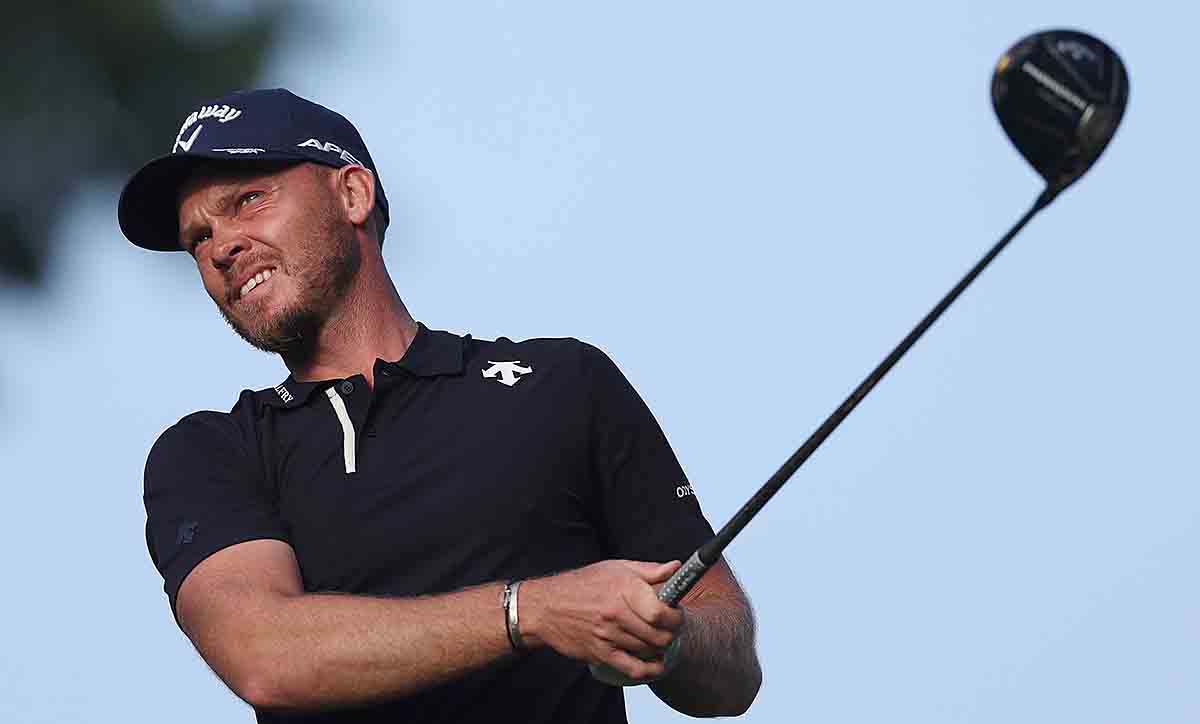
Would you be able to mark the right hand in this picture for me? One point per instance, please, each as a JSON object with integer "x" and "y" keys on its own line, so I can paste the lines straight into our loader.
{"x": 606, "y": 613}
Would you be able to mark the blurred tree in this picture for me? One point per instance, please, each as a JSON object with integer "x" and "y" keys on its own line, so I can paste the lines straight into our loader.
{"x": 96, "y": 87}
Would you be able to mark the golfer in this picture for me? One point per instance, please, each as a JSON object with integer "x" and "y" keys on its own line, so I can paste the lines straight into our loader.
{"x": 414, "y": 526}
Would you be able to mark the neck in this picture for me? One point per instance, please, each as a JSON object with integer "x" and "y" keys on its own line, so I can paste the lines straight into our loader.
{"x": 371, "y": 322}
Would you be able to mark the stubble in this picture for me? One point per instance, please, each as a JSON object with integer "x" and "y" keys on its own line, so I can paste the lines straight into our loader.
{"x": 325, "y": 267}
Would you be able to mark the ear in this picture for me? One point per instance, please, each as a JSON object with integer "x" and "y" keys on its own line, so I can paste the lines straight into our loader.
{"x": 355, "y": 186}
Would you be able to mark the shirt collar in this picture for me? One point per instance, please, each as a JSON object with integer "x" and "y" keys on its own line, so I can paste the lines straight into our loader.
{"x": 432, "y": 353}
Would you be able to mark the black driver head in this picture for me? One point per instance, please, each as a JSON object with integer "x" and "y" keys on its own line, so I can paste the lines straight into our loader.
{"x": 1060, "y": 95}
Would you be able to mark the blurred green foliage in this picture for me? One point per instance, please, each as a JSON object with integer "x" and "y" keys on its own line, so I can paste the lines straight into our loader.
{"x": 94, "y": 88}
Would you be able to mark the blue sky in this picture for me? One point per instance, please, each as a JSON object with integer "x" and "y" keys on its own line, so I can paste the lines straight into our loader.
{"x": 747, "y": 206}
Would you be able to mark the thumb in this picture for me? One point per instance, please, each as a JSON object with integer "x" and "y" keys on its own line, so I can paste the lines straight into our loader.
{"x": 654, "y": 572}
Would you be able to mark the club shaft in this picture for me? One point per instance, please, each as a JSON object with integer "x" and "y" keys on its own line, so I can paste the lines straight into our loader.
{"x": 710, "y": 552}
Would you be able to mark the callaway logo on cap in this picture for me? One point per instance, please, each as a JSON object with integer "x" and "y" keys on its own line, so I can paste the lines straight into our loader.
{"x": 266, "y": 125}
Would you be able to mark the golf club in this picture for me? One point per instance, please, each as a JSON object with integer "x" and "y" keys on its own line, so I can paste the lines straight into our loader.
{"x": 1059, "y": 95}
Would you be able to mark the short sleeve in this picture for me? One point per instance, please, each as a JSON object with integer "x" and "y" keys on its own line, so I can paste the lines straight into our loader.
{"x": 649, "y": 508}
{"x": 204, "y": 492}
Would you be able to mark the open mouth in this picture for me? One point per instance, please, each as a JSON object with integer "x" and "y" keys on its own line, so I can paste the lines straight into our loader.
{"x": 255, "y": 282}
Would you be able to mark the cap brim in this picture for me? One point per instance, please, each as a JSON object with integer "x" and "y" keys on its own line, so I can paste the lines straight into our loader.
{"x": 148, "y": 211}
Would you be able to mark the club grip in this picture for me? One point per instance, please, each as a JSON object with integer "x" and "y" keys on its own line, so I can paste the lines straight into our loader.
{"x": 682, "y": 580}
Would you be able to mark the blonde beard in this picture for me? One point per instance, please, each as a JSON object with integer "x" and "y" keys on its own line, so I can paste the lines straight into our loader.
{"x": 293, "y": 332}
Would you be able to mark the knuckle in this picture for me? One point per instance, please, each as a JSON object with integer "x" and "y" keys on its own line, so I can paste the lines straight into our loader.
{"x": 649, "y": 670}
{"x": 622, "y": 664}
{"x": 606, "y": 652}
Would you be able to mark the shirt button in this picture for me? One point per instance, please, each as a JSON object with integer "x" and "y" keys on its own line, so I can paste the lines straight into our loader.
{"x": 347, "y": 387}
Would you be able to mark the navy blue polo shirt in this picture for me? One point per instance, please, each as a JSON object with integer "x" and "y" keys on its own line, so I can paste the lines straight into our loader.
{"x": 469, "y": 461}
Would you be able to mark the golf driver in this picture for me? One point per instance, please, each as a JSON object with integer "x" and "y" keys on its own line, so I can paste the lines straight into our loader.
{"x": 1059, "y": 95}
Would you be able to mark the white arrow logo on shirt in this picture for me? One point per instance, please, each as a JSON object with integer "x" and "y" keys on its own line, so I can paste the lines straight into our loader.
{"x": 506, "y": 373}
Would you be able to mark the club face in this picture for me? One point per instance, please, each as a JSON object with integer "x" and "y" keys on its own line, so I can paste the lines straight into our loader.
{"x": 1060, "y": 95}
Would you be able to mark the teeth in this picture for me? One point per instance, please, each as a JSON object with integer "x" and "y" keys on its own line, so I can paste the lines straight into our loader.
{"x": 254, "y": 281}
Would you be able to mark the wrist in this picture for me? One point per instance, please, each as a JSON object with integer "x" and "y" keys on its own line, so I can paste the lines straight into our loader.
{"x": 530, "y": 610}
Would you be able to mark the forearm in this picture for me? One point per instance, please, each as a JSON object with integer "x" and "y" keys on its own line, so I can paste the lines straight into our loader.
{"x": 718, "y": 672}
{"x": 317, "y": 651}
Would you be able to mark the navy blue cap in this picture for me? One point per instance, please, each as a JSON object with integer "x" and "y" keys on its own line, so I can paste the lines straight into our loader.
{"x": 260, "y": 125}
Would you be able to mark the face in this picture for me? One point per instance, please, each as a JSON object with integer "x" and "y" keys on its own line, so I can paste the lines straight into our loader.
{"x": 274, "y": 249}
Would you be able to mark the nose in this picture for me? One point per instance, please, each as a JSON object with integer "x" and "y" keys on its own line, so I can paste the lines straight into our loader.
{"x": 228, "y": 246}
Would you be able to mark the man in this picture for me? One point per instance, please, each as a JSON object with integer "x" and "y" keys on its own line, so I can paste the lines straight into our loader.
{"x": 414, "y": 526}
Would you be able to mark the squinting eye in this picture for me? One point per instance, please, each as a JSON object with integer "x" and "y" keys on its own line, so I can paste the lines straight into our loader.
{"x": 249, "y": 197}
{"x": 199, "y": 238}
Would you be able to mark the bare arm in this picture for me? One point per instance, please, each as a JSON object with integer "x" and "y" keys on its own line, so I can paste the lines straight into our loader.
{"x": 275, "y": 646}
{"x": 718, "y": 673}
{"x": 278, "y": 647}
